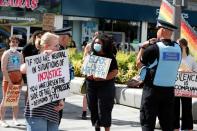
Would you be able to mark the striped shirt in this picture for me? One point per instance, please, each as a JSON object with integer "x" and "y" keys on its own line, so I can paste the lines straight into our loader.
{"x": 14, "y": 60}
{"x": 46, "y": 112}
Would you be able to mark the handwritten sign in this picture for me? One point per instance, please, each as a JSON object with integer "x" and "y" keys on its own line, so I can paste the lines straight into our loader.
{"x": 96, "y": 66}
{"x": 12, "y": 96}
{"x": 186, "y": 84}
{"x": 48, "y": 21}
{"x": 47, "y": 78}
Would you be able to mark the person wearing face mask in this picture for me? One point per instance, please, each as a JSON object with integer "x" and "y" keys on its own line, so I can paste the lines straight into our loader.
{"x": 101, "y": 92}
{"x": 10, "y": 65}
{"x": 87, "y": 51}
{"x": 188, "y": 64}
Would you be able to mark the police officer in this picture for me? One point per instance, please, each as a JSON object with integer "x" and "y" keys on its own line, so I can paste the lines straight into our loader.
{"x": 158, "y": 90}
{"x": 64, "y": 38}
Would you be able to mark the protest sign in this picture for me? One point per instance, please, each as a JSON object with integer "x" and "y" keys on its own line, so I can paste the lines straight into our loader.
{"x": 12, "y": 96}
{"x": 47, "y": 78}
{"x": 186, "y": 84}
{"x": 96, "y": 66}
{"x": 48, "y": 21}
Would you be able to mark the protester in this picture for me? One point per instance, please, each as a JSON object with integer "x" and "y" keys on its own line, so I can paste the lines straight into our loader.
{"x": 64, "y": 39}
{"x": 188, "y": 64}
{"x": 46, "y": 117}
{"x": 162, "y": 58}
{"x": 87, "y": 51}
{"x": 101, "y": 92}
{"x": 31, "y": 48}
{"x": 10, "y": 66}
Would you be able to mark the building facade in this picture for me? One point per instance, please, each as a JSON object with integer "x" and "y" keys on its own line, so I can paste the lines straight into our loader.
{"x": 23, "y": 17}
{"x": 128, "y": 21}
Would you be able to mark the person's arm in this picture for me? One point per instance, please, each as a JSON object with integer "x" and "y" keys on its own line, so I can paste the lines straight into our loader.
{"x": 112, "y": 74}
{"x": 21, "y": 62}
{"x": 21, "y": 58}
{"x": 147, "y": 43}
{"x": 4, "y": 63}
{"x": 60, "y": 105}
{"x": 139, "y": 64}
{"x": 86, "y": 50}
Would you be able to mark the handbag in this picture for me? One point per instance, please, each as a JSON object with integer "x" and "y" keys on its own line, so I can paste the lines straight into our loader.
{"x": 83, "y": 88}
{"x": 135, "y": 82}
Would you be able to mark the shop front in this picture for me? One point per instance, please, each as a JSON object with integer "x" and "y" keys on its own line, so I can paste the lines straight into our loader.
{"x": 23, "y": 17}
{"x": 130, "y": 24}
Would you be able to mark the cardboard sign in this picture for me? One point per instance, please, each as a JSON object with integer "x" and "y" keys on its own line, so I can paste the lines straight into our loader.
{"x": 48, "y": 21}
{"x": 12, "y": 96}
{"x": 186, "y": 84}
{"x": 47, "y": 78}
{"x": 96, "y": 66}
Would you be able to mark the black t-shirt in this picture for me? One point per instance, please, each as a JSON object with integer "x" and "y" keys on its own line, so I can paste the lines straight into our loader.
{"x": 29, "y": 50}
{"x": 113, "y": 64}
{"x": 150, "y": 54}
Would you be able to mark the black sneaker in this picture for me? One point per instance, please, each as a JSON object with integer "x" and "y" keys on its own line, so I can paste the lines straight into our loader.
{"x": 97, "y": 129}
{"x": 84, "y": 115}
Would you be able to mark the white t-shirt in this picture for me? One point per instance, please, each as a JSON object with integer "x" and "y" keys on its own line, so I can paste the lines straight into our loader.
{"x": 188, "y": 64}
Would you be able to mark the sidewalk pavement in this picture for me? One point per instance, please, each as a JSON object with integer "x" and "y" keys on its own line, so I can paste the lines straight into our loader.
{"x": 123, "y": 118}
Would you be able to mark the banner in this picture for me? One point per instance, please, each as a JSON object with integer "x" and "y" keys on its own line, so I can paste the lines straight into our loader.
{"x": 47, "y": 78}
{"x": 96, "y": 66}
{"x": 186, "y": 84}
{"x": 187, "y": 32}
{"x": 12, "y": 96}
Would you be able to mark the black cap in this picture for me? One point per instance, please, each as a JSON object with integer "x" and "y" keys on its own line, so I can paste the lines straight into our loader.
{"x": 63, "y": 31}
{"x": 165, "y": 24}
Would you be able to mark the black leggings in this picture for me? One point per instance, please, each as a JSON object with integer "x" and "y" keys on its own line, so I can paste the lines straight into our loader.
{"x": 100, "y": 97}
{"x": 187, "y": 119}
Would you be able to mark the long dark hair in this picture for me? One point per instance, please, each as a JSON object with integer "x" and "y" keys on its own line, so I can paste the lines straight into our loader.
{"x": 107, "y": 46}
{"x": 183, "y": 42}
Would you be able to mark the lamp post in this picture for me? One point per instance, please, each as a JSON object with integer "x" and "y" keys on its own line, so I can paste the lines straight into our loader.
{"x": 177, "y": 18}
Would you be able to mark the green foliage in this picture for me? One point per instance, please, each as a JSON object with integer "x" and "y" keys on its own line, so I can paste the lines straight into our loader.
{"x": 126, "y": 65}
{"x": 76, "y": 60}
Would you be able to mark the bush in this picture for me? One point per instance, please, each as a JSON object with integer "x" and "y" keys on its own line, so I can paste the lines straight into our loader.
{"x": 76, "y": 60}
{"x": 126, "y": 65}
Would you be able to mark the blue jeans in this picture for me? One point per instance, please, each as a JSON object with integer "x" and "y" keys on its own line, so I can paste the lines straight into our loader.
{"x": 40, "y": 124}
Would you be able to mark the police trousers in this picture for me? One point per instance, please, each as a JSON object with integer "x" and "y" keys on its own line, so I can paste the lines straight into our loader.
{"x": 157, "y": 101}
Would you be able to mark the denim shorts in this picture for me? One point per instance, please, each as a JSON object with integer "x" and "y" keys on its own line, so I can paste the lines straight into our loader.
{"x": 40, "y": 124}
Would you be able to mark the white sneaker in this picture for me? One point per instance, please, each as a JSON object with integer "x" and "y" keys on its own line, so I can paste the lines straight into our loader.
{"x": 4, "y": 124}
{"x": 15, "y": 122}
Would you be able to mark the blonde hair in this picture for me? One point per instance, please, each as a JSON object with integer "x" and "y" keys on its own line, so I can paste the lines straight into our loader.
{"x": 47, "y": 37}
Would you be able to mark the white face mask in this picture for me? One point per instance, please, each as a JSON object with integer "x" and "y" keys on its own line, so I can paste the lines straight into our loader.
{"x": 13, "y": 49}
{"x": 97, "y": 47}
